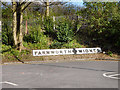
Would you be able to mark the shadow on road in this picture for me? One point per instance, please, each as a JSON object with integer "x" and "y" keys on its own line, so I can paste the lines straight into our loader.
{"x": 60, "y": 66}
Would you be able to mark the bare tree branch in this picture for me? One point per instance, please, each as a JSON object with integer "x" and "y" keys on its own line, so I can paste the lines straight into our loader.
{"x": 22, "y": 3}
{"x": 57, "y": 3}
{"x": 26, "y": 6}
{"x": 6, "y": 5}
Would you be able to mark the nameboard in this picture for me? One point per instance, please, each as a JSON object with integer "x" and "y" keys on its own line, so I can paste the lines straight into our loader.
{"x": 47, "y": 52}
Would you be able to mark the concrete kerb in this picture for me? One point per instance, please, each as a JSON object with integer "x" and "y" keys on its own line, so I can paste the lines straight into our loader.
{"x": 55, "y": 61}
{"x": 47, "y": 61}
{"x": 108, "y": 59}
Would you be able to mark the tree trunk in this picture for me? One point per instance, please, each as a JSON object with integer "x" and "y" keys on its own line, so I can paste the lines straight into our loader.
{"x": 14, "y": 23}
{"x": 20, "y": 34}
{"x": 26, "y": 29}
{"x": 47, "y": 8}
{"x": 18, "y": 8}
{"x": 20, "y": 27}
{"x": 17, "y": 25}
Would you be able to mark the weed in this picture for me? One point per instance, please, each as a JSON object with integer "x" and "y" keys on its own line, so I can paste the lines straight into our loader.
{"x": 110, "y": 53}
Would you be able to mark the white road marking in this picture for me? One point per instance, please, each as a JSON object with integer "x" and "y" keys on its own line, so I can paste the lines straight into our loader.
{"x": 111, "y": 75}
{"x": 29, "y": 73}
{"x": 9, "y": 83}
{"x": 114, "y": 75}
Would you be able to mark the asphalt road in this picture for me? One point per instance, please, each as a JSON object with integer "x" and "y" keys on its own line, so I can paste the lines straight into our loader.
{"x": 78, "y": 74}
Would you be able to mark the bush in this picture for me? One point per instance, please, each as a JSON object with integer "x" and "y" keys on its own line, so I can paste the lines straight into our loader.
{"x": 8, "y": 51}
{"x": 6, "y": 48}
{"x": 36, "y": 46}
{"x": 64, "y": 30}
{"x": 48, "y": 25}
{"x": 110, "y": 53}
{"x": 72, "y": 44}
{"x": 11, "y": 54}
{"x": 118, "y": 42}
{"x": 35, "y": 39}
{"x": 56, "y": 44}
{"x": 7, "y": 36}
{"x": 35, "y": 36}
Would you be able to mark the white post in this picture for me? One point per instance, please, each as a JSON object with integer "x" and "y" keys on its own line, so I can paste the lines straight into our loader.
{"x": 54, "y": 22}
{"x": 42, "y": 18}
{"x": 0, "y": 26}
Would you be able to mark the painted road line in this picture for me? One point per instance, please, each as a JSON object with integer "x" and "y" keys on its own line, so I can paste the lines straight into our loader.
{"x": 111, "y": 75}
{"x": 10, "y": 83}
{"x": 114, "y": 75}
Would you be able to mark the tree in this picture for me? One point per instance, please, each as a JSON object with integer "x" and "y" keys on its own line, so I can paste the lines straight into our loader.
{"x": 17, "y": 13}
{"x": 7, "y": 26}
{"x": 102, "y": 20}
{"x": 47, "y": 4}
{"x": 66, "y": 9}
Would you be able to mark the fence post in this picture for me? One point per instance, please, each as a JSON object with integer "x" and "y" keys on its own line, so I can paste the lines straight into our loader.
{"x": 42, "y": 18}
{"x": 26, "y": 30}
{"x": 54, "y": 22}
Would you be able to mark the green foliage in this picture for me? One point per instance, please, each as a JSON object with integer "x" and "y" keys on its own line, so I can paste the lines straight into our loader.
{"x": 35, "y": 45}
{"x": 110, "y": 53}
{"x": 61, "y": 10}
{"x": 35, "y": 35}
{"x": 102, "y": 22}
{"x": 118, "y": 42}
{"x": 25, "y": 52}
{"x": 35, "y": 39}
{"x": 12, "y": 54}
{"x": 99, "y": 21}
{"x": 7, "y": 36}
{"x": 6, "y": 48}
{"x": 56, "y": 44}
{"x": 15, "y": 52}
{"x": 8, "y": 51}
{"x": 6, "y": 12}
{"x": 48, "y": 25}
{"x": 72, "y": 44}
{"x": 64, "y": 30}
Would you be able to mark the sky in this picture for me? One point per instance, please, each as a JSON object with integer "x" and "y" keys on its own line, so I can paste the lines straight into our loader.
{"x": 77, "y": 2}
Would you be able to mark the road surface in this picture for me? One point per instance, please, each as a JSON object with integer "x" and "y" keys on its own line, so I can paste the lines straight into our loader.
{"x": 77, "y": 74}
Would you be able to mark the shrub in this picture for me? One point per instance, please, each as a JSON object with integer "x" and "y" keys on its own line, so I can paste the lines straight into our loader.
{"x": 11, "y": 54}
{"x": 72, "y": 44}
{"x": 36, "y": 45}
{"x": 7, "y": 36}
{"x": 64, "y": 30}
{"x": 35, "y": 36}
{"x": 6, "y": 48}
{"x": 48, "y": 25}
{"x": 118, "y": 42}
{"x": 56, "y": 44}
{"x": 8, "y": 51}
{"x": 35, "y": 39}
{"x": 110, "y": 53}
